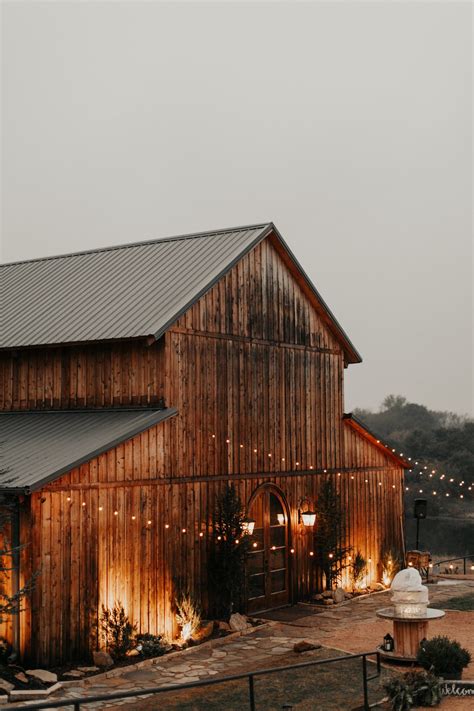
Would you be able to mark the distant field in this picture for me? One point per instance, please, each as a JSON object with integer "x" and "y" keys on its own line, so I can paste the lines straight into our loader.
{"x": 443, "y": 537}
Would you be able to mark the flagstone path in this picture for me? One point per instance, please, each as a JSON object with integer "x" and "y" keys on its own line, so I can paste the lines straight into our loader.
{"x": 351, "y": 627}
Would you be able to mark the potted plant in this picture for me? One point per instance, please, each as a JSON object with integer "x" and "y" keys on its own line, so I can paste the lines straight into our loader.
{"x": 444, "y": 657}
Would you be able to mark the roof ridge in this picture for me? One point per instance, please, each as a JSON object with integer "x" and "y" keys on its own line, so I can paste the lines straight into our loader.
{"x": 141, "y": 243}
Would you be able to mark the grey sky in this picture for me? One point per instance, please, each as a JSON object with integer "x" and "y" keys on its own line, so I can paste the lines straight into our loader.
{"x": 347, "y": 124}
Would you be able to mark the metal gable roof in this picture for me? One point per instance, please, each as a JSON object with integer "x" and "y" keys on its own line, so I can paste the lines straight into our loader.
{"x": 38, "y": 447}
{"x": 128, "y": 291}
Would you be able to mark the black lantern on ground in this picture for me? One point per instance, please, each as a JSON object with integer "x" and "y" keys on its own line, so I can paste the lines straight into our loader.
{"x": 388, "y": 643}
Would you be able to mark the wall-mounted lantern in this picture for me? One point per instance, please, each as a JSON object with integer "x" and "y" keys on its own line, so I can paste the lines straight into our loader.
{"x": 306, "y": 516}
{"x": 388, "y": 643}
{"x": 248, "y": 524}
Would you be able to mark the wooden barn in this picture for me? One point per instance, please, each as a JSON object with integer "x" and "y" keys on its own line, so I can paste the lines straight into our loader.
{"x": 135, "y": 382}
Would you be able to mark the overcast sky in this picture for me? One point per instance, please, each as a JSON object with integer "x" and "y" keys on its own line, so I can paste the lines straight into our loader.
{"x": 347, "y": 124}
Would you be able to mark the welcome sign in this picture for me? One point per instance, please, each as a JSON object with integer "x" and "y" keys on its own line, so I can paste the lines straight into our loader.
{"x": 457, "y": 688}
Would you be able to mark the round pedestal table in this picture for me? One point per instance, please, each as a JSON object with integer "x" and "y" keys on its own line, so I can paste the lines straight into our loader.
{"x": 408, "y": 632}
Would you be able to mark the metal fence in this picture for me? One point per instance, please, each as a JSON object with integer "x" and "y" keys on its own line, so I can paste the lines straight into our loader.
{"x": 81, "y": 703}
{"x": 464, "y": 559}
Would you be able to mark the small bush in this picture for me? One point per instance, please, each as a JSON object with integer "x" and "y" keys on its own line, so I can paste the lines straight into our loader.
{"x": 188, "y": 616}
{"x": 358, "y": 569}
{"x": 443, "y": 656}
{"x": 118, "y": 630}
{"x": 399, "y": 695}
{"x": 151, "y": 645}
{"x": 415, "y": 689}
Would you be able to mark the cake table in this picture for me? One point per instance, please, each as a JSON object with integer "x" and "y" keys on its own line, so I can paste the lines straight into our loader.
{"x": 408, "y": 632}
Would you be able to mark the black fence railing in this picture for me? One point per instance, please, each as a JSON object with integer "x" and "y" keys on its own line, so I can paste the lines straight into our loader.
{"x": 81, "y": 703}
{"x": 466, "y": 567}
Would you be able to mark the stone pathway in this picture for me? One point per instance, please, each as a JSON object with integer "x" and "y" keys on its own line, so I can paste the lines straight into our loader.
{"x": 352, "y": 626}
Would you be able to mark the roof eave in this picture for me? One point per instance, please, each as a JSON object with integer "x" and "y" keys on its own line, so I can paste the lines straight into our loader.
{"x": 359, "y": 427}
{"x": 351, "y": 354}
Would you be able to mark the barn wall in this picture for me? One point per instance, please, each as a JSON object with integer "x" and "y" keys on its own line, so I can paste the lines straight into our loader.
{"x": 89, "y": 555}
{"x": 97, "y": 375}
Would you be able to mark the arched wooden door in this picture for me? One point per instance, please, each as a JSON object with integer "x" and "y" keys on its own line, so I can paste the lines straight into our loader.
{"x": 267, "y": 562}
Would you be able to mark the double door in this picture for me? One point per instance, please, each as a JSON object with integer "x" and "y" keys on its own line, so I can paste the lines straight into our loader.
{"x": 267, "y": 561}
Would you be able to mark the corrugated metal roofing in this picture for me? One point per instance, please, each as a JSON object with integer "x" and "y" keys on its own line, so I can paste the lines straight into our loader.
{"x": 37, "y": 447}
{"x": 127, "y": 291}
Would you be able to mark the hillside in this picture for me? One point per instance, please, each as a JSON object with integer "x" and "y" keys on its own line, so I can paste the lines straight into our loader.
{"x": 441, "y": 446}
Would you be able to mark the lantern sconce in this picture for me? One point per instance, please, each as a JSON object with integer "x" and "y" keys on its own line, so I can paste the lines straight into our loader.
{"x": 307, "y": 517}
{"x": 248, "y": 524}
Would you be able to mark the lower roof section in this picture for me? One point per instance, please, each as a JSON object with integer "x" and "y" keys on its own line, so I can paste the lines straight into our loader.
{"x": 355, "y": 424}
{"x": 38, "y": 447}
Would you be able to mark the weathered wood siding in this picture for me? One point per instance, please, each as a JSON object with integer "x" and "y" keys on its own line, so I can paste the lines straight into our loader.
{"x": 96, "y": 375}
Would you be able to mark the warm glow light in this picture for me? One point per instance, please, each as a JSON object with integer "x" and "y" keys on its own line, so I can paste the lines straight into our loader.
{"x": 311, "y": 553}
{"x": 331, "y": 555}
{"x": 283, "y": 459}
{"x": 255, "y": 451}
{"x": 248, "y": 524}
{"x": 281, "y": 519}
{"x": 228, "y": 441}
{"x": 219, "y": 538}
{"x": 183, "y": 530}
{"x": 410, "y": 563}
{"x": 68, "y": 498}
{"x": 83, "y": 503}
{"x": 237, "y": 541}
{"x": 352, "y": 476}
{"x": 100, "y": 508}
{"x": 269, "y": 454}
{"x": 255, "y": 545}
{"x": 115, "y": 513}
{"x": 133, "y": 518}
{"x": 167, "y": 525}
{"x": 201, "y": 534}
{"x": 308, "y": 518}
{"x": 297, "y": 464}
{"x": 292, "y": 550}
{"x": 149, "y": 522}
